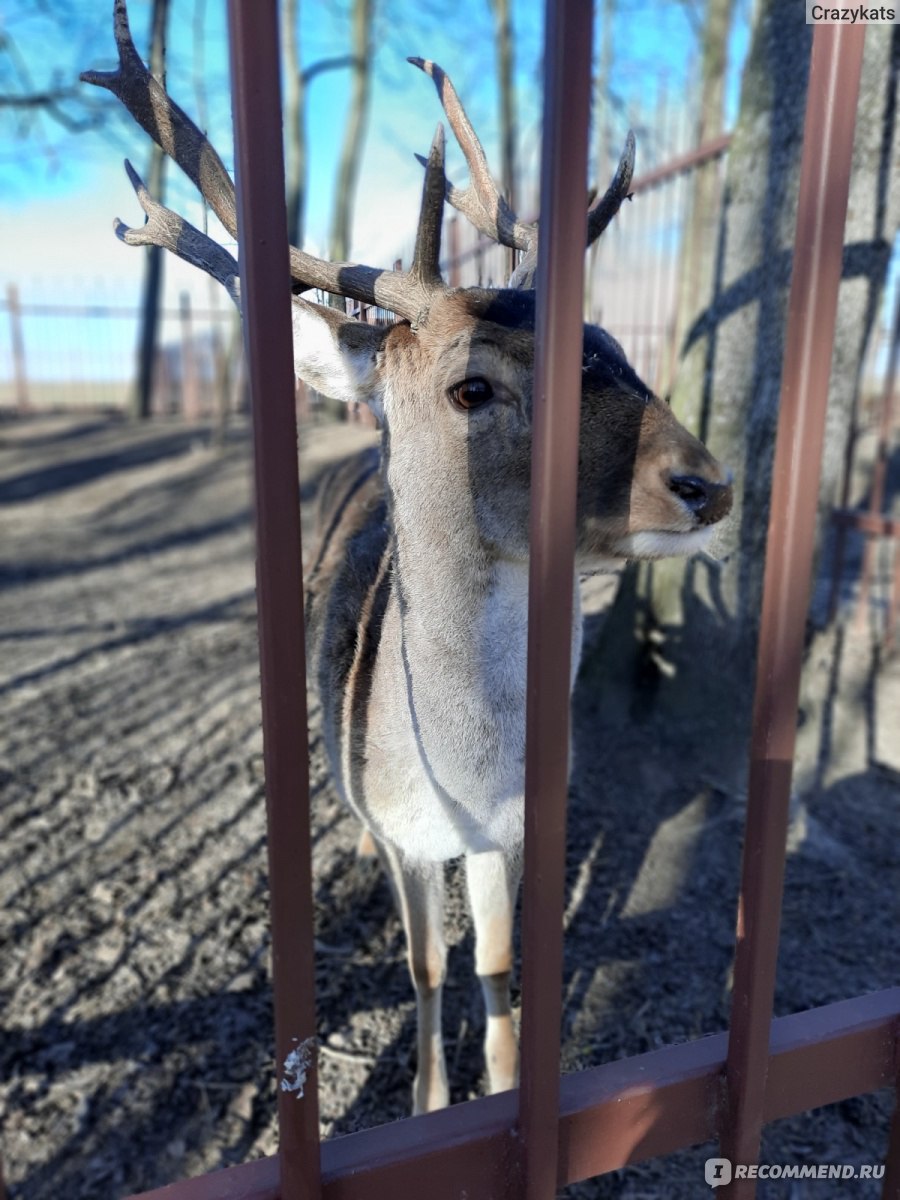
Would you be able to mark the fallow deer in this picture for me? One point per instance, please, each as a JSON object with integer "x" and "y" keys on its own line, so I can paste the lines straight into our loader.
{"x": 418, "y": 591}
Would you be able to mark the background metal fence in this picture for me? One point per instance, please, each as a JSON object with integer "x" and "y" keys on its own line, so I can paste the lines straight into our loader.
{"x": 67, "y": 354}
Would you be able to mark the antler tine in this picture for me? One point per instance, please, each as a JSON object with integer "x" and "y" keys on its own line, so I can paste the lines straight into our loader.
{"x": 600, "y": 214}
{"x": 169, "y": 126}
{"x": 168, "y": 230}
{"x": 481, "y": 202}
{"x": 426, "y": 257}
{"x": 605, "y": 208}
{"x": 176, "y": 134}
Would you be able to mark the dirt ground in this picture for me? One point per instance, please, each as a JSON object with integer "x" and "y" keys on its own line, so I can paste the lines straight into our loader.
{"x": 136, "y": 1044}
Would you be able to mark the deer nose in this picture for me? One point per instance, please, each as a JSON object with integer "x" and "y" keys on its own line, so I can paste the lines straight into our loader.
{"x": 708, "y": 501}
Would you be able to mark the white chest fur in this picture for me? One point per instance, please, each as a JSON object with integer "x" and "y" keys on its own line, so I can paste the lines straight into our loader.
{"x": 446, "y": 761}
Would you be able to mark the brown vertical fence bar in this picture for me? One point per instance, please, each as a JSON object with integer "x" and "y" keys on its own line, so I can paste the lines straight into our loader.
{"x": 266, "y": 287}
{"x": 894, "y": 602}
{"x": 891, "y": 1186}
{"x": 190, "y": 382}
{"x": 822, "y": 206}
{"x": 453, "y": 246}
{"x": 557, "y": 400}
{"x": 17, "y": 340}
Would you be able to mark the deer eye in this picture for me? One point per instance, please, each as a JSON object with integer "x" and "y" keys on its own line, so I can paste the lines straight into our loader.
{"x": 471, "y": 393}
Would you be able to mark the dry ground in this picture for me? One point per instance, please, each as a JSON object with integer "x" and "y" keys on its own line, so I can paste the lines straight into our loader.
{"x": 136, "y": 1041}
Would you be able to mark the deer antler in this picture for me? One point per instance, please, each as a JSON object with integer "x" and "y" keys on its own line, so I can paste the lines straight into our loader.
{"x": 481, "y": 202}
{"x": 605, "y": 208}
{"x": 426, "y": 256}
{"x": 169, "y": 126}
{"x": 483, "y": 205}
{"x": 170, "y": 231}
{"x": 407, "y": 294}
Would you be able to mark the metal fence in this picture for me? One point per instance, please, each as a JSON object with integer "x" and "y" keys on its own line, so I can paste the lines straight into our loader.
{"x": 639, "y": 265}
{"x": 636, "y": 264}
{"x": 553, "y": 1131}
{"x": 81, "y": 354}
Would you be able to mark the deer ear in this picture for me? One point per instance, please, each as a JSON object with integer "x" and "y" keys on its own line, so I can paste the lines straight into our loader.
{"x": 337, "y": 355}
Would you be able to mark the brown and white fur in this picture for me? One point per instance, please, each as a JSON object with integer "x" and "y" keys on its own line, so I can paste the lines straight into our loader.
{"x": 417, "y": 591}
{"x": 417, "y": 603}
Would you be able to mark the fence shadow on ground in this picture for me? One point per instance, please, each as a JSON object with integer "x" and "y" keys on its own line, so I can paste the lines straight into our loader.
{"x": 138, "y": 1038}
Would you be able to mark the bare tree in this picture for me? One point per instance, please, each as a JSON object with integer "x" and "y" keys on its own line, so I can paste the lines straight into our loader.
{"x": 297, "y": 80}
{"x": 601, "y": 93}
{"x": 703, "y": 621}
{"x": 504, "y": 47}
{"x": 294, "y": 122}
{"x": 153, "y": 269}
{"x": 697, "y": 263}
{"x": 698, "y": 250}
{"x": 602, "y": 87}
{"x": 63, "y": 102}
{"x": 351, "y": 152}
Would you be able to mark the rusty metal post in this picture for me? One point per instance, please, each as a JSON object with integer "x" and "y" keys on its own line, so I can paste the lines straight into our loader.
{"x": 266, "y": 290}
{"x": 453, "y": 251}
{"x": 557, "y": 373}
{"x": 812, "y": 310}
{"x": 656, "y": 202}
{"x": 890, "y": 1189}
{"x": 894, "y": 599}
{"x": 190, "y": 390}
{"x": 161, "y": 394}
{"x": 17, "y": 340}
{"x": 682, "y": 163}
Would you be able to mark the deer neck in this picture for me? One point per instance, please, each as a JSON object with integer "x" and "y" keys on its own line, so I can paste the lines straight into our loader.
{"x": 447, "y": 578}
{"x": 464, "y": 621}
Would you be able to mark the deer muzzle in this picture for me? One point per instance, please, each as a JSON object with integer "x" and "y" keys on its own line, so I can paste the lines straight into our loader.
{"x": 708, "y": 500}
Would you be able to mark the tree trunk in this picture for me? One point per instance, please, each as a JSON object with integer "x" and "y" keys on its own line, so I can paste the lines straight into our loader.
{"x": 701, "y": 618}
{"x": 602, "y": 166}
{"x": 294, "y": 123}
{"x": 697, "y": 265}
{"x": 153, "y": 269}
{"x": 504, "y": 45}
{"x": 696, "y": 276}
{"x": 351, "y": 153}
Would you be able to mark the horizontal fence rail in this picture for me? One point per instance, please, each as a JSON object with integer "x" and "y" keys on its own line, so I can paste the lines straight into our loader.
{"x": 69, "y": 356}
{"x": 610, "y": 1117}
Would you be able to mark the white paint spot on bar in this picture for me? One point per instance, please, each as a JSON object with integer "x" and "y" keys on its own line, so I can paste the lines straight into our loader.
{"x": 296, "y": 1067}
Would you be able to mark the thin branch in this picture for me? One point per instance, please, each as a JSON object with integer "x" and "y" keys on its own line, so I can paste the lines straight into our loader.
{"x": 36, "y": 99}
{"x": 48, "y": 103}
{"x": 329, "y": 64}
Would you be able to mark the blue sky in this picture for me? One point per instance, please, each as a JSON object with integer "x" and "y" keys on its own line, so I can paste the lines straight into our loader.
{"x": 60, "y": 190}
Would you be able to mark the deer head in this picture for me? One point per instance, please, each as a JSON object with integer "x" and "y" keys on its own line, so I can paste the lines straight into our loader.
{"x": 451, "y": 380}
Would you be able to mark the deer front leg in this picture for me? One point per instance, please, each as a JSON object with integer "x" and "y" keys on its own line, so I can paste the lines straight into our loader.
{"x": 419, "y": 889}
{"x": 493, "y": 883}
